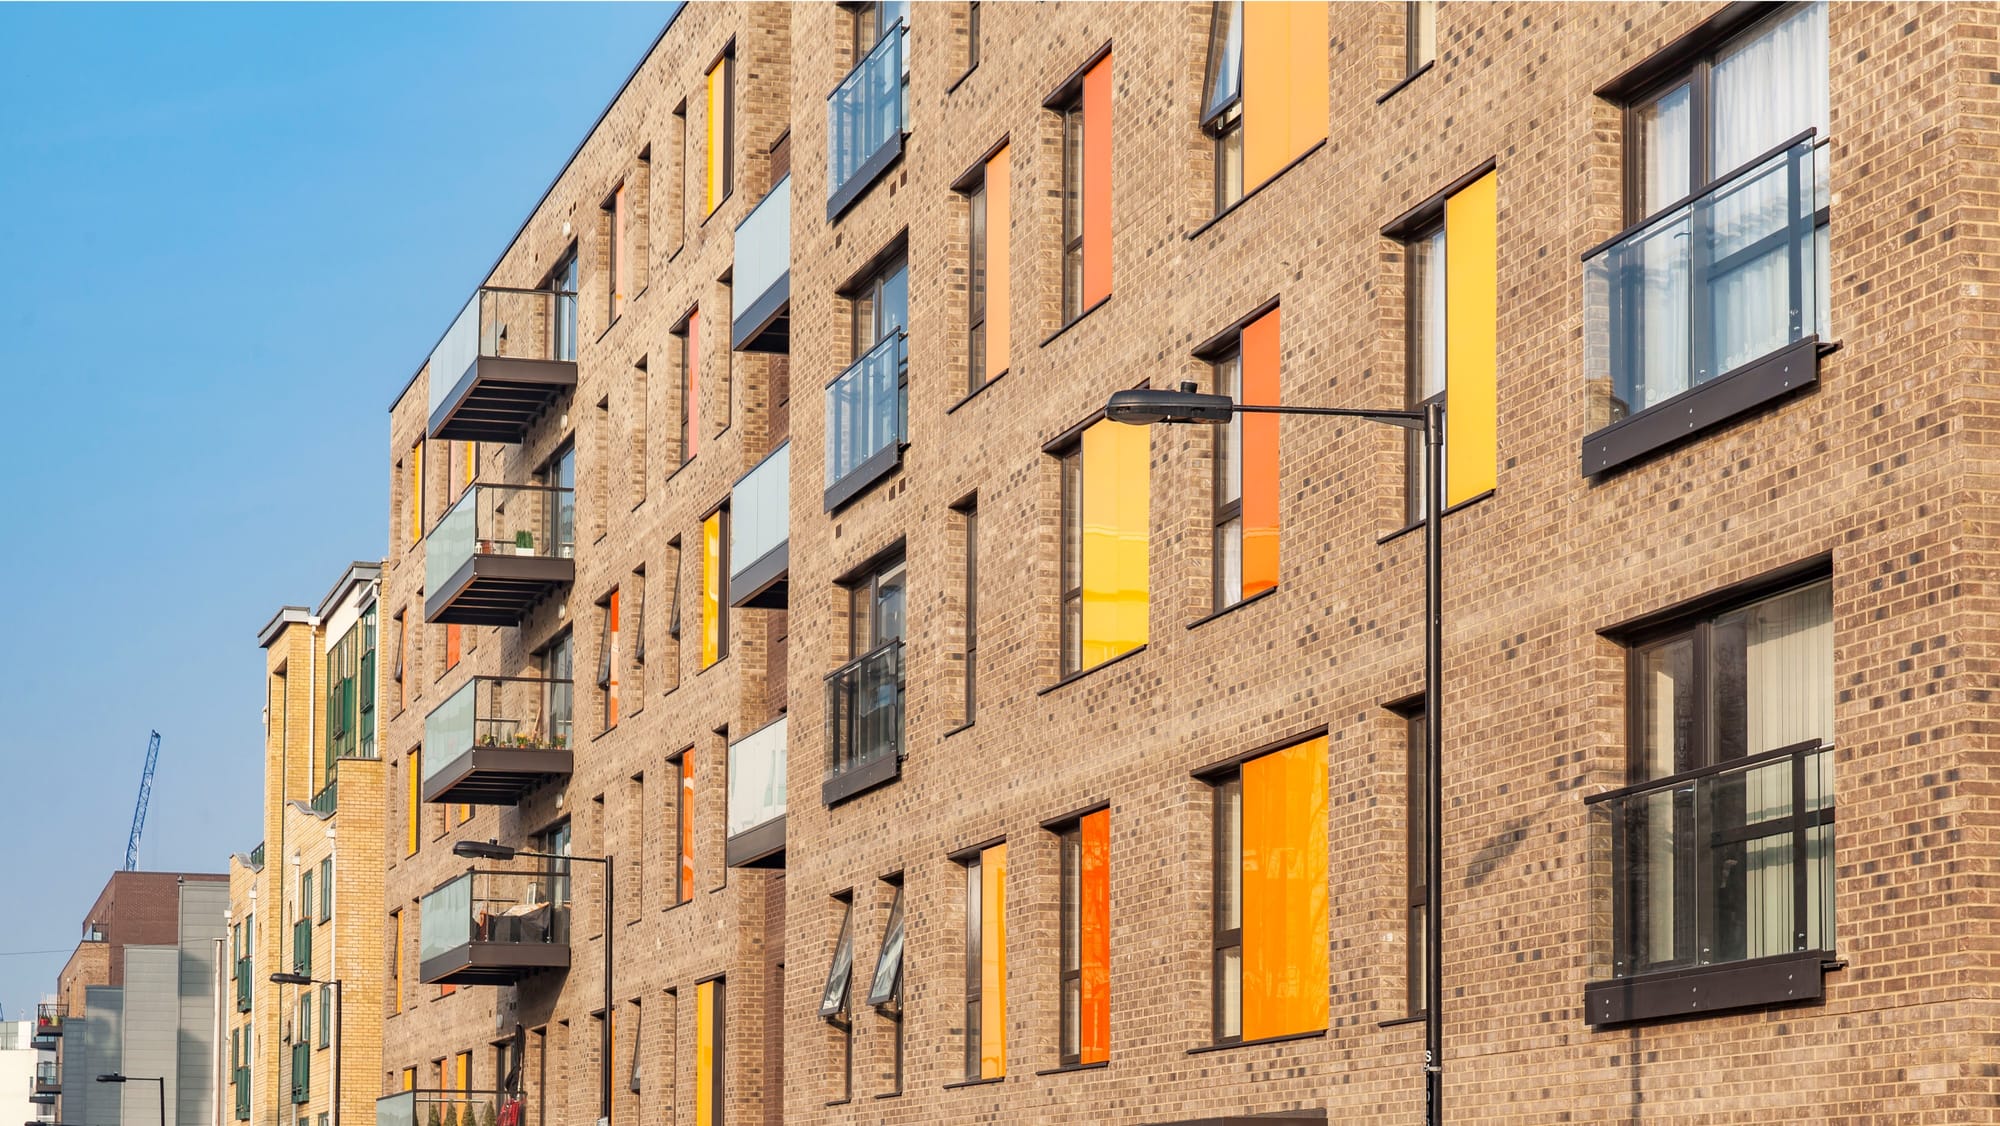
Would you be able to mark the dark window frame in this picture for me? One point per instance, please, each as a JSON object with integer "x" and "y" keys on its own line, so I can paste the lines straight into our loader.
{"x": 975, "y": 286}
{"x": 1416, "y": 858}
{"x": 1223, "y": 124}
{"x": 683, "y": 818}
{"x": 842, "y": 1016}
{"x": 1070, "y": 202}
{"x": 1226, "y": 939}
{"x": 891, "y": 1007}
{"x": 1069, "y": 462}
{"x": 969, "y": 513}
{"x": 1225, "y": 513}
{"x": 975, "y": 949}
{"x": 1419, "y": 36}
{"x": 1069, "y": 942}
{"x": 1418, "y": 492}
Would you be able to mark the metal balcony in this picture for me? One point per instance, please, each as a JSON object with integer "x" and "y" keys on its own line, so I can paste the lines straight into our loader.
{"x": 497, "y": 552}
{"x": 864, "y": 722}
{"x": 763, "y": 275}
{"x": 496, "y": 740}
{"x": 864, "y": 124}
{"x": 866, "y": 408}
{"x": 760, "y": 520}
{"x": 510, "y": 354}
{"x": 48, "y": 1078}
{"x": 756, "y": 821}
{"x": 48, "y": 1026}
{"x": 493, "y": 928}
{"x": 416, "y": 1108}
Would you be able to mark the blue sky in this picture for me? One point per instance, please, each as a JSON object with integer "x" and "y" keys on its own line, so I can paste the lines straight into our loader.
{"x": 228, "y": 235}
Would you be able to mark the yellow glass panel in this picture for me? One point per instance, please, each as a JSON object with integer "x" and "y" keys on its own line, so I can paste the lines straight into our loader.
{"x": 1116, "y": 498}
{"x": 998, "y": 286}
{"x": 416, "y": 801}
{"x": 1284, "y": 891}
{"x": 711, "y": 589}
{"x": 417, "y": 491}
{"x": 993, "y": 962}
{"x": 705, "y": 1110}
{"x": 1472, "y": 332}
{"x": 718, "y": 132}
{"x": 409, "y": 1073}
{"x": 1285, "y": 107}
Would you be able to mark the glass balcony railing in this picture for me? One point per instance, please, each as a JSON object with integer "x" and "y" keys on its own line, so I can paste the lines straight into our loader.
{"x": 866, "y": 406}
{"x": 865, "y": 121}
{"x": 493, "y": 928}
{"x": 864, "y": 718}
{"x": 760, "y": 521}
{"x": 497, "y": 552}
{"x": 757, "y": 795}
{"x": 496, "y": 739}
{"x": 257, "y": 855}
{"x": 508, "y": 354}
{"x": 467, "y": 1108}
{"x": 48, "y": 1078}
{"x": 763, "y": 274}
{"x": 1707, "y": 288}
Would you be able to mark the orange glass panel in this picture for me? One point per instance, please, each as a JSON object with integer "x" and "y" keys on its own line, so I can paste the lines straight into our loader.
{"x": 1260, "y": 455}
{"x": 417, "y": 491}
{"x": 1116, "y": 498}
{"x": 706, "y": 1113}
{"x": 1285, "y": 891}
{"x": 1285, "y": 108}
{"x": 998, "y": 289}
{"x": 1472, "y": 332}
{"x": 1097, "y": 183}
{"x": 687, "y": 824}
{"x": 691, "y": 389}
{"x": 711, "y": 589}
{"x": 1094, "y": 922}
{"x": 451, "y": 646}
{"x": 993, "y": 962}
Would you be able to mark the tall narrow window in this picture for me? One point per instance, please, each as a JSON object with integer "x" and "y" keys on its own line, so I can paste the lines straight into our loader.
{"x": 972, "y": 16}
{"x": 690, "y": 412}
{"x": 1105, "y": 543}
{"x": 326, "y": 889}
{"x": 416, "y": 492}
{"x": 1420, "y": 18}
{"x": 968, "y": 521}
{"x": 402, "y": 654}
{"x": 1265, "y": 100}
{"x": 1271, "y": 895}
{"x": 607, "y": 661}
{"x": 562, "y": 282}
{"x": 714, "y": 573}
{"x": 867, "y": 406}
{"x": 1222, "y": 99}
{"x": 1085, "y": 987}
{"x": 413, "y": 813}
{"x": 555, "y": 665}
{"x": 834, "y": 1004}
{"x": 682, "y": 768}
{"x": 671, "y": 657}
{"x": 636, "y": 669}
{"x": 986, "y": 963}
{"x": 709, "y": 1055}
{"x": 676, "y": 201}
{"x": 1451, "y": 336}
{"x": 637, "y": 427}
{"x": 1246, "y": 466}
{"x": 865, "y": 695}
{"x": 453, "y": 646}
{"x": 396, "y": 961}
{"x": 1086, "y": 190}
{"x": 617, "y": 255}
{"x": 305, "y": 894}
{"x": 721, "y": 130}
{"x": 988, "y": 284}
{"x": 555, "y": 840}
{"x": 1417, "y": 860}
{"x": 885, "y": 989}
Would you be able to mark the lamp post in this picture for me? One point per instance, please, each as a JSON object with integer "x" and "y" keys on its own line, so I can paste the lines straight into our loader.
{"x": 494, "y": 850}
{"x": 1145, "y": 407}
{"x": 115, "y": 1077}
{"x": 339, "y": 1024}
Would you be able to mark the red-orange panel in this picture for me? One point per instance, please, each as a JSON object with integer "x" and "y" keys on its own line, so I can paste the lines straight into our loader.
{"x": 1260, "y": 456}
{"x": 1097, "y": 183}
{"x": 1094, "y": 919}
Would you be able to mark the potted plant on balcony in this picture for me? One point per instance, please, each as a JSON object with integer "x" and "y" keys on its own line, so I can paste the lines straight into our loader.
{"x": 524, "y": 543}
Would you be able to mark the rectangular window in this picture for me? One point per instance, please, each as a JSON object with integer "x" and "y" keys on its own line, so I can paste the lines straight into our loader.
{"x": 413, "y": 815}
{"x": 714, "y": 573}
{"x": 1451, "y": 340}
{"x": 710, "y": 1057}
{"x": 834, "y": 1005}
{"x": 865, "y": 695}
{"x": 325, "y": 1015}
{"x": 305, "y": 895}
{"x": 635, "y": 670}
{"x": 867, "y": 406}
{"x": 555, "y": 665}
{"x": 986, "y": 964}
{"x": 988, "y": 281}
{"x": 885, "y": 988}
{"x": 1416, "y": 860}
{"x": 1085, "y": 1032}
{"x": 618, "y": 259}
{"x": 671, "y": 658}
{"x": 682, "y": 768}
{"x": 690, "y": 342}
{"x": 1106, "y": 532}
{"x": 562, "y": 282}
{"x": 968, "y": 521}
{"x": 1086, "y": 191}
{"x": 677, "y": 195}
{"x": 1222, "y": 99}
{"x": 608, "y": 661}
{"x": 555, "y": 841}
{"x": 1265, "y": 97}
{"x": 637, "y": 419}
{"x": 1246, "y": 466}
{"x": 402, "y": 654}
{"x": 721, "y": 128}
{"x": 1271, "y": 895}
{"x": 1420, "y": 31}
{"x": 326, "y": 889}
{"x": 396, "y": 962}
{"x": 416, "y": 492}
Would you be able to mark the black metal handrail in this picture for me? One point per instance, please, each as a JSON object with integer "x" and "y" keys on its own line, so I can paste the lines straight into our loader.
{"x": 864, "y": 713}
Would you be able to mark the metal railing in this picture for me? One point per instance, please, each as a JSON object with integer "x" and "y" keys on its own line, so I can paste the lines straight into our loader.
{"x": 527, "y": 520}
{"x": 523, "y": 908}
{"x": 757, "y": 778}
{"x": 864, "y": 709}
{"x": 763, "y": 254}
{"x": 866, "y": 406}
{"x": 517, "y": 712}
{"x": 531, "y": 324}
{"x": 760, "y": 512}
{"x": 327, "y": 799}
{"x": 1722, "y": 864}
{"x": 865, "y": 113}
{"x": 439, "y": 1108}
{"x": 257, "y": 855}
{"x": 47, "y": 1074}
{"x": 48, "y": 1019}
{"x": 1723, "y": 278}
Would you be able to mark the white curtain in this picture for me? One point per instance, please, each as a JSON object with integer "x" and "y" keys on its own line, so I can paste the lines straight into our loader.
{"x": 1789, "y": 699}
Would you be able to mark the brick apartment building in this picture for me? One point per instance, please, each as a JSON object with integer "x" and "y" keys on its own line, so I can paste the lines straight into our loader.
{"x": 1108, "y": 734}
{"x": 307, "y": 900}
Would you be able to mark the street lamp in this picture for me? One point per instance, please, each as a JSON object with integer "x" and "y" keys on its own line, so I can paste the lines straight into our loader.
{"x": 1146, "y": 407}
{"x": 339, "y": 1024}
{"x": 115, "y": 1077}
{"x": 494, "y": 850}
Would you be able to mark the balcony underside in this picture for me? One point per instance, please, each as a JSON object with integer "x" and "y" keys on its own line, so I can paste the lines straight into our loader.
{"x": 497, "y": 775}
{"x": 765, "y": 584}
{"x": 42, "y": 1098}
{"x": 496, "y": 590}
{"x": 45, "y": 1040}
{"x": 498, "y": 397}
{"x": 493, "y": 963}
{"x": 766, "y": 324}
{"x": 761, "y": 847}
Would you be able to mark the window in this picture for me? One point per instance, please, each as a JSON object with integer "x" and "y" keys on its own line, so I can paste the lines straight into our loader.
{"x": 834, "y": 1005}
{"x": 865, "y": 695}
{"x": 885, "y": 989}
{"x": 1416, "y": 859}
{"x": 1246, "y": 466}
{"x": 636, "y": 670}
{"x": 671, "y": 674}
{"x": 555, "y": 841}
{"x": 681, "y": 767}
{"x": 326, "y": 889}
{"x": 1723, "y": 843}
{"x": 1222, "y": 100}
{"x": 1420, "y": 29}
{"x": 607, "y": 661}
{"x": 305, "y": 895}
{"x": 721, "y": 129}
{"x": 416, "y": 492}
{"x": 968, "y": 528}
{"x": 868, "y": 112}
{"x": 558, "y": 476}
{"x": 1270, "y": 968}
{"x": 396, "y": 962}
{"x": 1265, "y": 97}
{"x": 1086, "y": 190}
{"x": 402, "y": 654}
{"x": 636, "y": 426}
{"x": 972, "y": 15}
{"x": 714, "y": 573}
{"x": 709, "y": 1054}
{"x": 454, "y": 646}
{"x": 1105, "y": 543}
{"x": 987, "y": 282}
{"x": 413, "y": 814}
{"x": 617, "y": 255}
{"x": 325, "y": 1015}
{"x": 874, "y": 19}
{"x": 690, "y": 347}
{"x": 1085, "y": 1033}
{"x": 867, "y": 406}
{"x": 562, "y": 281}
{"x": 677, "y": 196}
{"x": 555, "y": 666}
{"x": 1451, "y": 341}
{"x": 986, "y": 963}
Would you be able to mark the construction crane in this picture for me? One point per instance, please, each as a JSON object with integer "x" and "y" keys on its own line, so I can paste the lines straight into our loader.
{"x": 145, "y": 795}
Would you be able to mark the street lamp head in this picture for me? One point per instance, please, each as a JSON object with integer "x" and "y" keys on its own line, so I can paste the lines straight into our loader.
{"x": 113, "y": 1077}
{"x": 291, "y": 979}
{"x": 1145, "y": 407}
{"x": 483, "y": 850}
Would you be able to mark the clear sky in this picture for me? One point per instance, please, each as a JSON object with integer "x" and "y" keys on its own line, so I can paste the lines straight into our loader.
{"x": 228, "y": 236}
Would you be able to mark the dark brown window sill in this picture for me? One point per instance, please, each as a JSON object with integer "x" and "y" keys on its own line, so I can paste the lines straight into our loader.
{"x": 1079, "y": 674}
{"x": 838, "y": 1102}
{"x": 1398, "y": 1022}
{"x": 858, "y": 780}
{"x": 1206, "y": 1048}
{"x": 1705, "y": 407}
{"x": 1076, "y": 320}
{"x": 966, "y": 726}
{"x": 1065, "y": 1069}
{"x": 975, "y": 1083}
{"x": 1783, "y": 979}
{"x": 1246, "y": 197}
{"x": 890, "y": 1095}
{"x": 1406, "y": 529}
{"x": 1406, "y": 80}
{"x": 974, "y": 393}
{"x": 676, "y": 471}
{"x": 960, "y": 80}
{"x": 1234, "y": 606}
